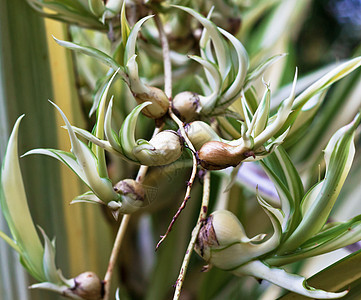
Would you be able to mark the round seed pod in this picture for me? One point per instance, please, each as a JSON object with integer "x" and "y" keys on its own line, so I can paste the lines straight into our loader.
{"x": 163, "y": 149}
{"x": 88, "y": 286}
{"x": 216, "y": 155}
{"x": 159, "y": 99}
{"x": 200, "y": 133}
{"x": 186, "y": 106}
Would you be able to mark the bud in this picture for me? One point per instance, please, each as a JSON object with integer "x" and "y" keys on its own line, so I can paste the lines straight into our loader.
{"x": 88, "y": 286}
{"x": 220, "y": 238}
{"x": 132, "y": 197}
{"x": 216, "y": 155}
{"x": 200, "y": 133}
{"x": 163, "y": 149}
{"x": 186, "y": 105}
{"x": 159, "y": 100}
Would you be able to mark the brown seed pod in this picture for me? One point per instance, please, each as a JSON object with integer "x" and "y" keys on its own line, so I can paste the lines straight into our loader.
{"x": 216, "y": 155}
{"x": 186, "y": 106}
{"x": 88, "y": 286}
{"x": 159, "y": 99}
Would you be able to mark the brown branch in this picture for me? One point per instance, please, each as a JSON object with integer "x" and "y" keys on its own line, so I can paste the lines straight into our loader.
{"x": 202, "y": 216}
{"x": 184, "y": 203}
{"x": 168, "y": 91}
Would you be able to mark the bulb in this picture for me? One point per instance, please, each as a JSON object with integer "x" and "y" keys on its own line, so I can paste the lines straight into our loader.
{"x": 167, "y": 148}
{"x": 186, "y": 106}
{"x": 200, "y": 133}
{"x": 220, "y": 240}
{"x": 88, "y": 286}
{"x": 217, "y": 155}
{"x": 159, "y": 99}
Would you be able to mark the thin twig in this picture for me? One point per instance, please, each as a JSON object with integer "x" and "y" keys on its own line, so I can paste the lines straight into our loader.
{"x": 184, "y": 203}
{"x": 202, "y": 216}
{"x": 114, "y": 255}
{"x": 182, "y": 130}
{"x": 190, "y": 182}
{"x": 168, "y": 90}
{"x": 121, "y": 232}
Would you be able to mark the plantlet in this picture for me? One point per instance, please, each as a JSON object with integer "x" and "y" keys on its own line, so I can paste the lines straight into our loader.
{"x": 225, "y": 115}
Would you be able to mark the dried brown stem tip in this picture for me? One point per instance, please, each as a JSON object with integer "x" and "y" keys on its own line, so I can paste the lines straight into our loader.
{"x": 130, "y": 186}
{"x": 132, "y": 197}
{"x": 216, "y": 155}
{"x": 160, "y": 102}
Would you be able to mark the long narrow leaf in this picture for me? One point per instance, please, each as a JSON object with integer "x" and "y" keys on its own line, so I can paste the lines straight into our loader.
{"x": 15, "y": 208}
